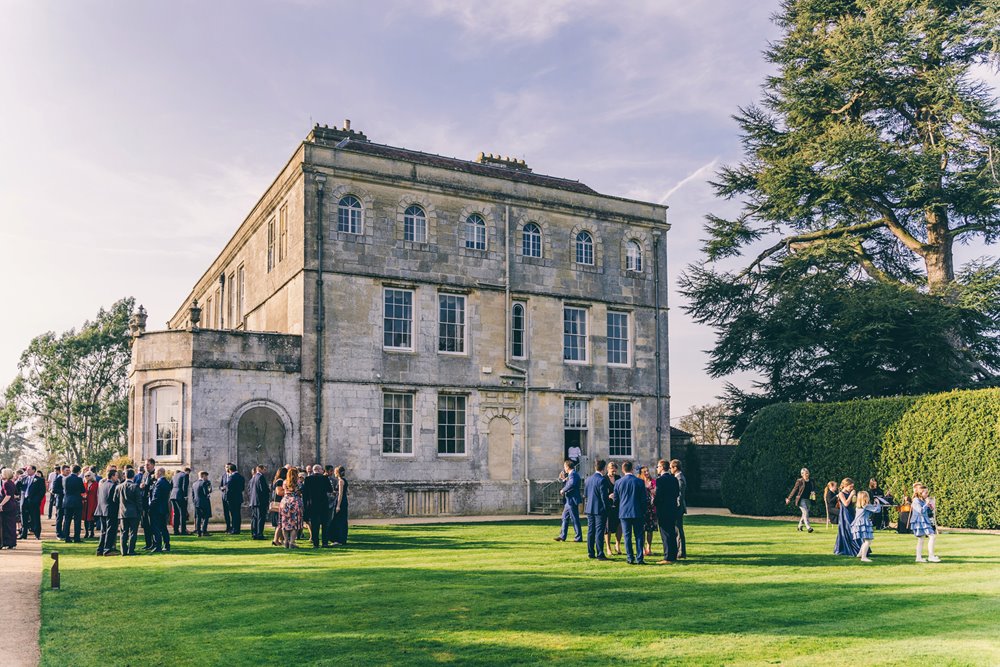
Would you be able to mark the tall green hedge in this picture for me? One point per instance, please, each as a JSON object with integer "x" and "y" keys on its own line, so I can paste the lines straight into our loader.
{"x": 949, "y": 441}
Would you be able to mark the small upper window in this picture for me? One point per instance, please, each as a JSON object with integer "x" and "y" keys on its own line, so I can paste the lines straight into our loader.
{"x": 531, "y": 240}
{"x": 475, "y": 232}
{"x": 349, "y": 215}
{"x": 633, "y": 257}
{"x": 415, "y": 225}
{"x": 584, "y": 248}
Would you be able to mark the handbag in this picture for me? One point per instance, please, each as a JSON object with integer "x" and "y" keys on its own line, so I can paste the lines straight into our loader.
{"x": 274, "y": 506}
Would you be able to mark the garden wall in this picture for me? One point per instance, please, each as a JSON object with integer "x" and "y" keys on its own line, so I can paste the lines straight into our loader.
{"x": 949, "y": 441}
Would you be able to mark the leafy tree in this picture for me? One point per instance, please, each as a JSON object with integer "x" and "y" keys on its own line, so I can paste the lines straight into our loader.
{"x": 708, "y": 423}
{"x": 13, "y": 441}
{"x": 74, "y": 386}
{"x": 874, "y": 150}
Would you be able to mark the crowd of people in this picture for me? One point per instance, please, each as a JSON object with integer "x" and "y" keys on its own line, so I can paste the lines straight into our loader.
{"x": 633, "y": 505}
{"x": 114, "y": 507}
{"x": 859, "y": 513}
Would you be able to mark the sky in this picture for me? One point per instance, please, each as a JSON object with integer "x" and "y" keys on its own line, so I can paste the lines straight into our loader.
{"x": 135, "y": 135}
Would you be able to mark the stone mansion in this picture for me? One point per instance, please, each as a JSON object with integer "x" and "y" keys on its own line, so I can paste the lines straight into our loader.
{"x": 446, "y": 329}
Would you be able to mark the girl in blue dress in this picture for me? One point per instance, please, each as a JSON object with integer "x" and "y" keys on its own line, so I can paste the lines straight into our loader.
{"x": 861, "y": 528}
{"x": 846, "y": 545}
{"x": 922, "y": 522}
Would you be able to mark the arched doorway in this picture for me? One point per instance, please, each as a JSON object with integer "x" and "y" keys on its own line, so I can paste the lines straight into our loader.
{"x": 500, "y": 455}
{"x": 260, "y": 440}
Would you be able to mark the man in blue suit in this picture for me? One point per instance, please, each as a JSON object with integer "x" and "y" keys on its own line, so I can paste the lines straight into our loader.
{"x": 597, "y": 491}
{"x": 631, "y": 495}
{"x": 73, "y": 491}
{"x": 32, "y": 492}
{"x": 571, "y": 494}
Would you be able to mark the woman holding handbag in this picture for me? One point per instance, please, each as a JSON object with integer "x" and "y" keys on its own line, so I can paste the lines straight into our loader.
{"x": 804, "y": 492}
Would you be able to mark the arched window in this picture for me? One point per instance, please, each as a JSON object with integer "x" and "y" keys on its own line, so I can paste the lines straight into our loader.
{"x": 518, "y": 350}
{"x": 349, "y": 215}
{"x": 475, "y": 232}
{"x": 415, "y": 224}
{"x": 584, "y": 248}
{"x": 531, "y": 240}
{"x": 633, "y": 257}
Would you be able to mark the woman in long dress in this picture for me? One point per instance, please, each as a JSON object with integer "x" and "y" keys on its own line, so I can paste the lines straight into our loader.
{"x": 9, "y": 510}
{"x": 291, "y": 509}
{"x": 275, "y": 517}
{"x": 89, "y": 504}
{"x": 613, "y": 527}
{"x": 651, "y": 524}
{"x": 340, "y": 510}
{"x": 846, "y": 545}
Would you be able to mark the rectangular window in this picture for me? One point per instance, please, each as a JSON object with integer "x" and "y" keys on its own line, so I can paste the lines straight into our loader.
{"x": 283, "y": 232}
{"x": 518, "y": 342}
{"x": 218, "y": 309}
{"x": 240, "y": 295}
{"x": 451, "y": 323}
{"x": 166, "y": 405}
{"x": 270, "y": 245}
{"x": 574, "y": 334}
{"x": 451, "y": 424}
{"x": 575, "y": 427}
{"x": 618, "y": 338}
{"x": 620, "y": 429}
{"x": 397, "y": 423}
{"x": 209, "y": 312}
{"x": 397, "y": 319}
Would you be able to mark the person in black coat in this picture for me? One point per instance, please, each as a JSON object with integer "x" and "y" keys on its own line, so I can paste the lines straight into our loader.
{"x": 58, "y": 486}
{"x": 73, "y": 491}
{"x": 144, "y": 480}
{"x": 665, "y": 501}
{"x": 107, "y": 514}
{"x": 129, "y": 500}
{"x": 260, "y": 498}
{"x": 32, "y": 490}
{"x": 179, "y": 500}
{"x": 316, "y": 500}
{"x": 232, "y": 498}
{"x": 159, "y": 508}
{"x": 202, "y": 492}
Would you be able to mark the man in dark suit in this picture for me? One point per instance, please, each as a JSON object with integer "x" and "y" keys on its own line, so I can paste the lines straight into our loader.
{"x": 260, "y": 498}
{"x": 159, "y": 508}
{"x": 129, "y": 500}
{"x": 682, "y": 508}
{"x": 58, "y": 490}
{"x": 179, "y": 500}
{"x": 316, "y": 500}
{"x": 232, "y": 497}
{"x": 202, "y": 492}
{"x": 144, "y": 481}
{"x": 73, "y": 490}
{"x": 631, "y": 494}
{"x": 32, "y": 490}
{"x": 107, "y": 514}
{"x": 597, "y": 492}
{"x": 571, "y": 495}
{"x": 665, "y": 501}
{"x": 223, "y": 485}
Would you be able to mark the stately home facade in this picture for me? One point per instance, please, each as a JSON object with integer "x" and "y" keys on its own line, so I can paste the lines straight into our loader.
{"x": 446, "y": 329}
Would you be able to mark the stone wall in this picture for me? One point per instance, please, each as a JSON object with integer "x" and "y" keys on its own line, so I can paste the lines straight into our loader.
{"x": 703, "y": 466}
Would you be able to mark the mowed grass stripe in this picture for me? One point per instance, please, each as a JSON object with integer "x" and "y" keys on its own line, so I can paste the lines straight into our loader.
{"x": 753, "y": 592}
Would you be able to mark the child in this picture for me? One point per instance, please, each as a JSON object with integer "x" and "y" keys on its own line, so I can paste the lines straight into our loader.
{"x": 830, "y": 500}
{"x": 861, "y": 527}
{"x": 921, "y": 522}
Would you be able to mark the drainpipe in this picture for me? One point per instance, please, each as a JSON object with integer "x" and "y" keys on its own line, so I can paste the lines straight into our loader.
{"x": 659, "y": 366}
{"x": 507, "y": 357}
{"x": 320, "y": 320}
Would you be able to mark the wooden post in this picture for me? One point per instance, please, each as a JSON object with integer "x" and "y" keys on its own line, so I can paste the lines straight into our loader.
{"x": 55, "y": 570}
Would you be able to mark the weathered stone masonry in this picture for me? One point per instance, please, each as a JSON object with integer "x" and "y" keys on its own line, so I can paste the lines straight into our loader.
{"x": 298, "y": 304}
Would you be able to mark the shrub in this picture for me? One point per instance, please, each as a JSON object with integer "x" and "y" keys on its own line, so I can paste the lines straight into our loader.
{"x": 949, "y": 441}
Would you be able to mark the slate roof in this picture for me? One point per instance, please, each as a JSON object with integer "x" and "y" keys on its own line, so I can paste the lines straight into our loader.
{"x": 466, "y": 166}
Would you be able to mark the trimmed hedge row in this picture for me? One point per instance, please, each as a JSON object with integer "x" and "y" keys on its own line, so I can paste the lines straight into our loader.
{"x": 949, "y": 441}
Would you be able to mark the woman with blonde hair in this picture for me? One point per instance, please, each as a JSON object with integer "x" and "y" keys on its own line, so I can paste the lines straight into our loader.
{"x": 922, "y": 522}
{"x": 89, "y": 503}
{"x": 291, "y": 509}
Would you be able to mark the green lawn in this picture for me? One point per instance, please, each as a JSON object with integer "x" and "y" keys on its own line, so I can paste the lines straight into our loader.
{"x": 753, "y": 592}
